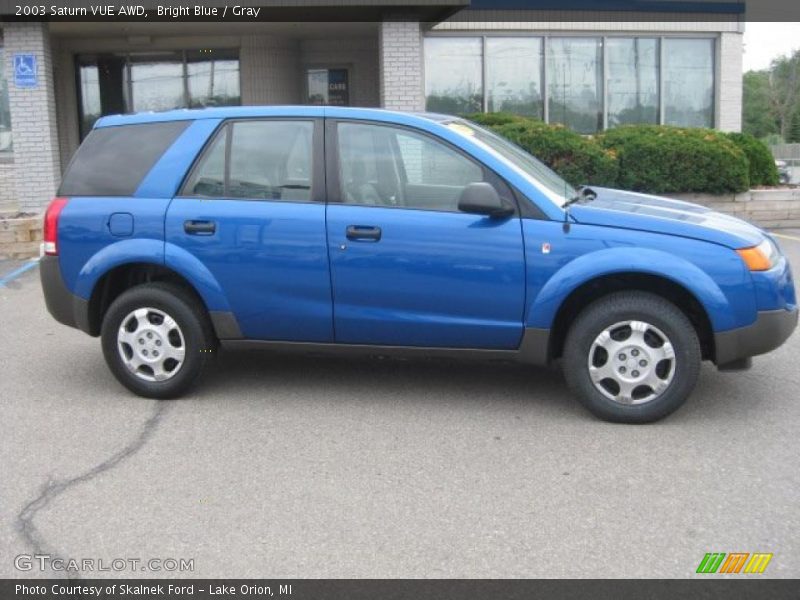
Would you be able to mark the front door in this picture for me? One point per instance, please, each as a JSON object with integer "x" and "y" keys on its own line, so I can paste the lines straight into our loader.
{"x": 407, "y": 267}
{"x": 252, "y": 211}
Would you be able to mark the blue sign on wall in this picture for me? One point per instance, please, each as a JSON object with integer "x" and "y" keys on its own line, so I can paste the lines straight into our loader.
{"x": 26, "y": 73}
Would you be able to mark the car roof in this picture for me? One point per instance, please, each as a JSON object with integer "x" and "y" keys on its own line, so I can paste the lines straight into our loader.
{"x": 244, "y": 112}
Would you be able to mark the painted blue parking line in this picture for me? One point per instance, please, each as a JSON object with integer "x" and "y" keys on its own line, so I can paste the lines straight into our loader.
{"x": 8, "y": 278}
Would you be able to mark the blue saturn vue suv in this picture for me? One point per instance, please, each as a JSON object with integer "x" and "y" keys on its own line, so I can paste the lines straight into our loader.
{"x": 359, "y": 230}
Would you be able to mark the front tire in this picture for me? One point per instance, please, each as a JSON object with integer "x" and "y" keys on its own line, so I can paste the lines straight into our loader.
{"x": 157, "y": 340}
{"x": 632, "y": 357}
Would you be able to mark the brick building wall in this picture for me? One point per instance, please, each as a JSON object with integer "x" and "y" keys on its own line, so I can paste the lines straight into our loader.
{"x": 33, "y": 119}
{"x": 269, "y": 68}
{"x": 359, "y": 55}
{"x": 401, "y": 65}
{"x": 8, "y": 196}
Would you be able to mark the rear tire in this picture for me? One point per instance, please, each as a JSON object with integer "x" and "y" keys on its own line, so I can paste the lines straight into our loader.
{"x": 632, "y": 357}
{"x": 157, "y": 340}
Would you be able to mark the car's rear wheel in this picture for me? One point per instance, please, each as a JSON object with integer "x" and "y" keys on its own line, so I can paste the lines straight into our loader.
{"x": 157, "y": 339}
{"x": 632, "y": 357}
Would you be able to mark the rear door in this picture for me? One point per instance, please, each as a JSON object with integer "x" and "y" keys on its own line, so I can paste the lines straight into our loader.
{"x": 407, "y": 267}
{"x": 253, "y": 212}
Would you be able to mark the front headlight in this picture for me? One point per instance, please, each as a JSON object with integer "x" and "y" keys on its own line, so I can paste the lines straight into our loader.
{"x": 760, "y": 258}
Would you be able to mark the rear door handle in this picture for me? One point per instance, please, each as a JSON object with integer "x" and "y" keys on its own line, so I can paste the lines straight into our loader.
{"x": 361, "y": 233}
{"x": 200, "y": 227}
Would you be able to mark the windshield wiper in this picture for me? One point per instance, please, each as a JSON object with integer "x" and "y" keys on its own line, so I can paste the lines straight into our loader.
{"x": 584, "y": 193}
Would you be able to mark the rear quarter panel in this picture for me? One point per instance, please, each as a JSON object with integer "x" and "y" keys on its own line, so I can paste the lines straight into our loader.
{"x": 88, "y": 249}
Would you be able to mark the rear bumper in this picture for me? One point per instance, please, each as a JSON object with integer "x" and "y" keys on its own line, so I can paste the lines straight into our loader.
{"x": 771, "y": 329}
{"x": 66, "y": 307}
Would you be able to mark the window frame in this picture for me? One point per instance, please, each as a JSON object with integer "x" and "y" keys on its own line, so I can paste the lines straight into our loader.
{"x": 333, "y": 171}
{"x": 318, "y": 188}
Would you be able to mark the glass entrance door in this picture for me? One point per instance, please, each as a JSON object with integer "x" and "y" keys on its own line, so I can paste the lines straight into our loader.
{"x": 330, "y": 87}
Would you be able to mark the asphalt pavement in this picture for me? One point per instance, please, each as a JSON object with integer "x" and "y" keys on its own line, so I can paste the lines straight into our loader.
{"x": 294, "y": 466}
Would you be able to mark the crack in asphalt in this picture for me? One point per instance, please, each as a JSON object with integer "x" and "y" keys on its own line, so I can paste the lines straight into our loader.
{"x": 53, "y": 488}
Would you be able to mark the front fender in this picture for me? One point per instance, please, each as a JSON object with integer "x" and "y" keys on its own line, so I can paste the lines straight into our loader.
{"x": 542, "y": 311}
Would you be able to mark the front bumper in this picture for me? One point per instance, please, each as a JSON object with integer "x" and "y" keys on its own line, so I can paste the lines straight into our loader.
{"x": 771, "y": 329}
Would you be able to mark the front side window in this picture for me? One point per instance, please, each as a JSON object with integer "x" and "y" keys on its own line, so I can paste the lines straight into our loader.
{"x": 388, "y": 166}
{"x": 5, "y": 111}
{"x": 257, "y": 160}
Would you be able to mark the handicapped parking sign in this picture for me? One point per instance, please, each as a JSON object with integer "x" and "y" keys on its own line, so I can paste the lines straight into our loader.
{"x": 25, "y": 71}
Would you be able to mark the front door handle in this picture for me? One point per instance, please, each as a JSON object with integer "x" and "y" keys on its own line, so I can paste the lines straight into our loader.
{"x": 200, "y": 227}
{"x": 362, "y": 233}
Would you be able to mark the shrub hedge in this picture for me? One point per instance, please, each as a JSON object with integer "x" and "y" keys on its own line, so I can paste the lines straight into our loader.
{"x": 577, "y": 159}
{"x": 661, "y": 159}
{"x": 645, "y": 158}
{"x": 761, "y": 162}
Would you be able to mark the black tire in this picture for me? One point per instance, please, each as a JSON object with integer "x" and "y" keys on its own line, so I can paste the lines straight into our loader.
{"x": 199, "y": 342}
{"x": 619, "y": 307}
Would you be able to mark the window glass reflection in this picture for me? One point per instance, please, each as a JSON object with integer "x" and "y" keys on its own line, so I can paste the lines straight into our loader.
{"x": 155, "y": 83}
{"x": 514, "y": 76}
{"x": 689, "y": 82}
{"x": 125, "y": 83}
{"x": 5, "y": 111}
{"x": 212, "y": 81}
{"x": 574, "y": 70}
{"x": 453, "y": 75}
{"x": 632, "y": 80}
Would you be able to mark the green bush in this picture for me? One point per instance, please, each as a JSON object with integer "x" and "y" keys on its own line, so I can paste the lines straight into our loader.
{"x": 577, "y": 159}
{"x": 661, "y": 159}
{"x": 760, "y": 160}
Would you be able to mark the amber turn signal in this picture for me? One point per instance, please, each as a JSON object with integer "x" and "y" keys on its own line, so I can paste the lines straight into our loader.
{"x": 755, "y": 259}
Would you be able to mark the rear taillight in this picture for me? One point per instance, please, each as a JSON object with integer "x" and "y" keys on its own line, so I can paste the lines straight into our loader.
{"x": 50, "y": 233}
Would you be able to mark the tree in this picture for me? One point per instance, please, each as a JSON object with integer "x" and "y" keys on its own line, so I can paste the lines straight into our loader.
{"x": 784, "y": 87}
{"x": 757, "y": 116}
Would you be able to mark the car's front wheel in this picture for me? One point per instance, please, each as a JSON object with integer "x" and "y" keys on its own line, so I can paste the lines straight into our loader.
{"x": 157, "y": 339}
{"x": 632, "y": 357}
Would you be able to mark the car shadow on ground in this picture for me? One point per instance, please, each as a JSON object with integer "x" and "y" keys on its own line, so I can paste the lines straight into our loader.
{"x": 378, "y": 380}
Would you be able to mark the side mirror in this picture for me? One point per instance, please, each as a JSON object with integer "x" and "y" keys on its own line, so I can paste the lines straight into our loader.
{"x": 482, "y": 199}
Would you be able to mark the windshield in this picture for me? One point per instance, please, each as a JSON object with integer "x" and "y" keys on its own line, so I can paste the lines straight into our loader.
{"x": 558, "y": 190}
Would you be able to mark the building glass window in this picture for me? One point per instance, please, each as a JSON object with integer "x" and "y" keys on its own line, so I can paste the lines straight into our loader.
{"x": 632, "y": 80}
{"x": 212, "y": 79}
{"x": 328, "y": 87}
{"x": 125, "y": 83}
{"x": 689, "y": 82}
{"x": 453, "y": 75}
{"x": 5, "y": 111}
{"x": 155, "y": 83}
{"x": 574, "y": 75}
{"x": 591, "y": 82}
{"x": 514, "y": 76}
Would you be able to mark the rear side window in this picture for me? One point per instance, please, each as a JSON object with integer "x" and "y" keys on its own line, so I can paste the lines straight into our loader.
{"x": 256, "y": 160}
{"x": 112, "y": 161}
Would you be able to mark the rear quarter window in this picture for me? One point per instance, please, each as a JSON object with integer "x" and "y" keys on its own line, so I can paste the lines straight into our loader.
{"x": 112, "y": 161}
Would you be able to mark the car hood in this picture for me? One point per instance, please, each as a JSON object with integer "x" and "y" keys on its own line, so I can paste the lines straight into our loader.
{"x": 643, "y": 212}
